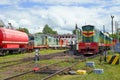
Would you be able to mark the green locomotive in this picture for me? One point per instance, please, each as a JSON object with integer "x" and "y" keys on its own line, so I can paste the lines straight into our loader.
{"x": 93, "y": 40}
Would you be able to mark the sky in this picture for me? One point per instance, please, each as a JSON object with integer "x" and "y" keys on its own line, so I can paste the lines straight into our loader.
{"x": 60, "y": 15}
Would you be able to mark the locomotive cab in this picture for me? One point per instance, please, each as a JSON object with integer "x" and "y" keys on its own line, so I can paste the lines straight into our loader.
{"x": 89, "y": 44}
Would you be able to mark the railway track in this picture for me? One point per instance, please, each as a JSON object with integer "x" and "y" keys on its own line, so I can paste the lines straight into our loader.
{"x": 50, "y": 70}
{"x": 66, "y": 68}
{"x": 31, "y": 71}
{"x": 12, "y": 63}
{"x": 20, "y": 61}
{"x": 60, "y": 71}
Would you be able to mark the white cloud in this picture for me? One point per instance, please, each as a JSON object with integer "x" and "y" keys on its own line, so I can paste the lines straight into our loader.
{"x": 5, "y": 2}
{"x": 25, "y": 22}
{"x": 14, "y": 23}
{"x": 9, "y": 2}
{"x": 61, "y": 18}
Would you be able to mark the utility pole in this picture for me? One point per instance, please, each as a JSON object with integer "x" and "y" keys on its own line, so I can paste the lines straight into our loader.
{"x": 116, "y": 26}
{"x": 105, "y": 49}
{"x": 112, "y": 31}
{"x": 104, "y": 31}
{"x": 104, "y": 28}
{"x": 112, "y": 25}
{"x": 77, "y": 36}
{"x": 117, "y": 30}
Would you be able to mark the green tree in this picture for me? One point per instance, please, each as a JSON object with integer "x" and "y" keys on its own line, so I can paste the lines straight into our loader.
{"x": 39, "y": 33}
{"x": 74, "y": 31}
{"x": 23, "y": 30}
{"x": 48, "y": 30}
{"x": 54, "y": 32}
{"x": 113, "y": 36}
{"x": 78, "y": 32}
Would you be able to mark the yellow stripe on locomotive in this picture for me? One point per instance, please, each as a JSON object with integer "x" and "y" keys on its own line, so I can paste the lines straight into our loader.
{"x": 88, "y": 33}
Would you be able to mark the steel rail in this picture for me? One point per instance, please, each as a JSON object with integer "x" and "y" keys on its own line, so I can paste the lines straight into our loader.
{"x": 20, "y": 61}
{"x": 46, "y": 78}
{"x": 41, "y": 68}
{"x": 29, "y": 58}
{"x": 67, "y": 68}
{"x": 31, "y": 71}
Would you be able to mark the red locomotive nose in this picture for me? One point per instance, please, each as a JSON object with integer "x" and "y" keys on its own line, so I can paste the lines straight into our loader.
{"x": 87, "y": 44}
{"x": 87, "y": 48}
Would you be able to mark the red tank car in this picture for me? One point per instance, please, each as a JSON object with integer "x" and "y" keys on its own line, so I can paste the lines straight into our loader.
{"x": 12, "y": 39}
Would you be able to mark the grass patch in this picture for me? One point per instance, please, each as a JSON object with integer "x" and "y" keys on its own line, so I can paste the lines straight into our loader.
{"x": 32, "y": 76}
{"x": 111, "y": 72}
{"x": 20, "y": 56}
{"x": 50, "y": 51}
{"x": 48, "y": 61}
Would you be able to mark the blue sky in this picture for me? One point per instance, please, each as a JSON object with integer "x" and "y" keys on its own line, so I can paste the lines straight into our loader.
{"x": 44, "y": 5}
{"x": 60, "y": 15}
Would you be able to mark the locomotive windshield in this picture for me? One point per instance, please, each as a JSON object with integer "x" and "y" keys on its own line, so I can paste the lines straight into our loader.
{"x": 88, "y": 27}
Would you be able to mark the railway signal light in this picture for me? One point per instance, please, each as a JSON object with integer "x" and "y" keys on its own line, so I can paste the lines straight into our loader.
{"x": 36, "y": 60}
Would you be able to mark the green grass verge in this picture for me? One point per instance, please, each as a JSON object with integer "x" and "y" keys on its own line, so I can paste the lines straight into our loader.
{"x": 38, "y": 76}
{"x": 50, "y": 51}
{"x": 20, "y": 56}
{"x": 111, "y": 72}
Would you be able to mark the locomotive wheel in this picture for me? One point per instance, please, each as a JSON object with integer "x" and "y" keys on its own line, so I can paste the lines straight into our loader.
{"x": 11, "y": 52}
{"x": 0, "y": 53}
{"x": 3, "y": 53}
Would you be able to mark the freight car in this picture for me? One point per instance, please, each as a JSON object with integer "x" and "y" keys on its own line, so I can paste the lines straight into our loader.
{"x": 40, "y": 41}
{"x": 47, "y": 41}
{"x": 12, "y": 41}
{"x": 30, "y": 46}
{"x": 93, "y": 41}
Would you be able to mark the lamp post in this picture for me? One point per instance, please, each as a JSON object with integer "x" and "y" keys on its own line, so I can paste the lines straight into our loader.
{"x": 78, "y": 36}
